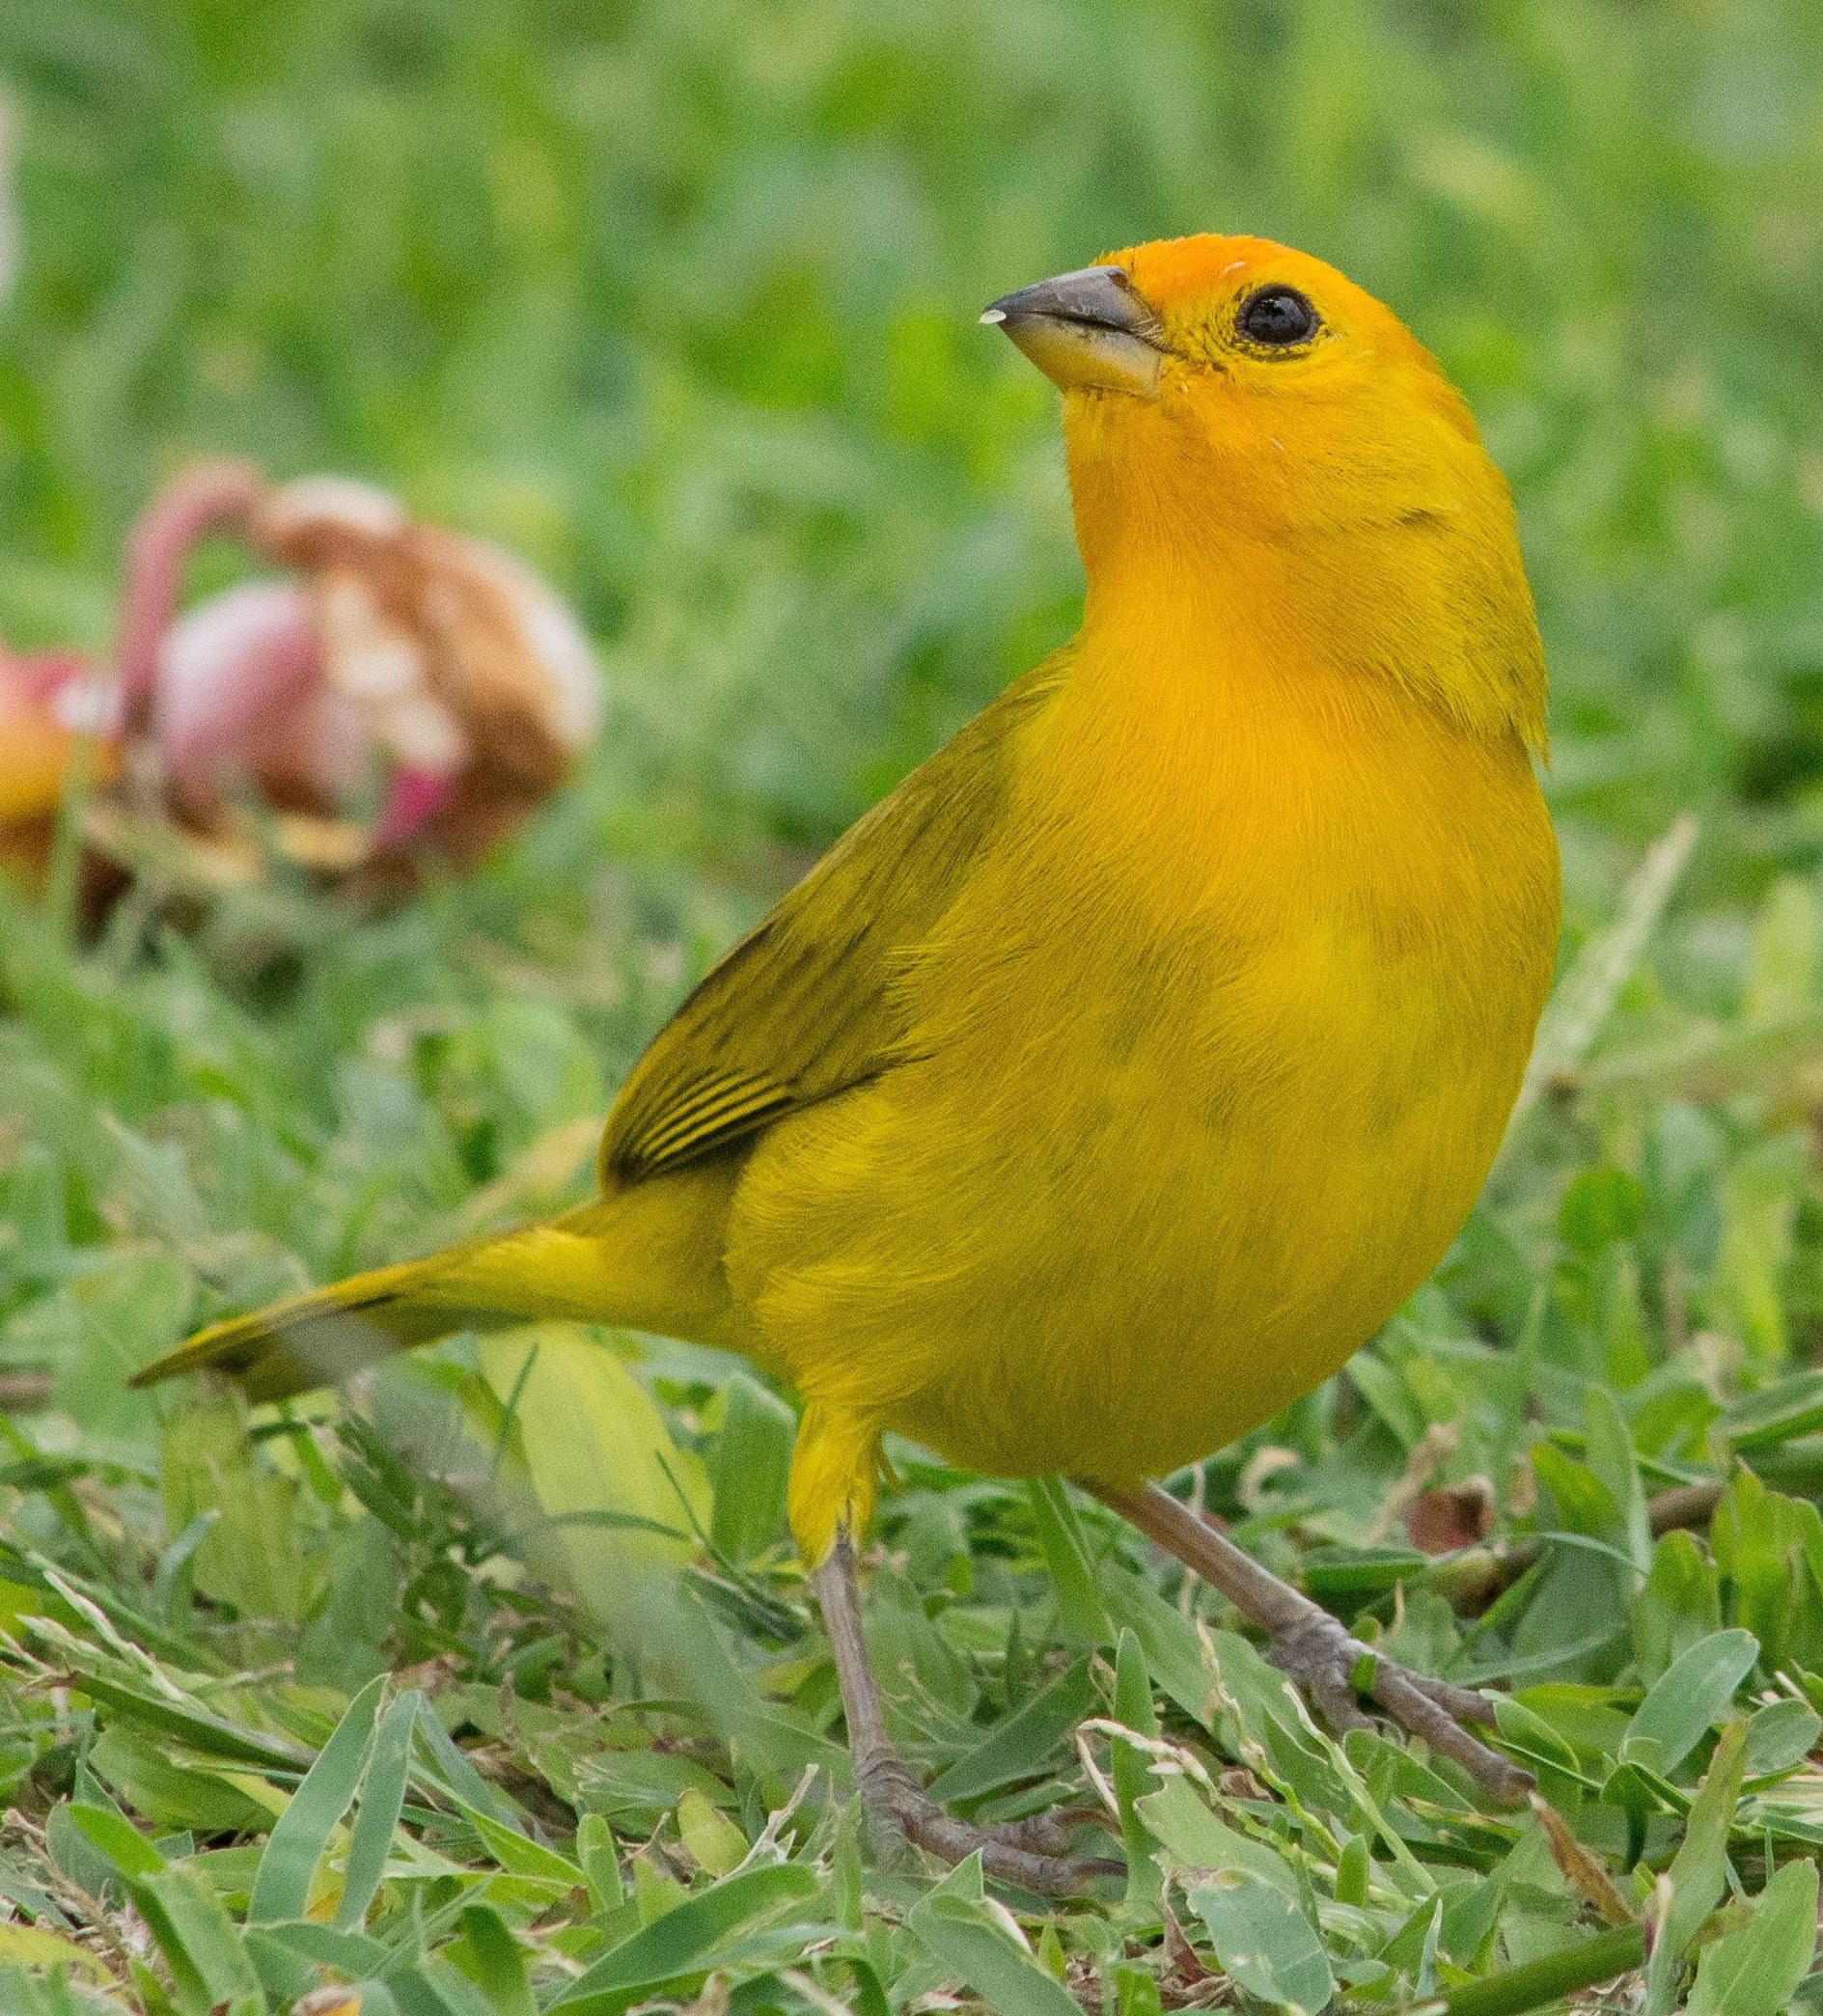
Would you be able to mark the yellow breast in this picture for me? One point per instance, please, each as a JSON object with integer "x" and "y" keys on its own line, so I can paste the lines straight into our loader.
{"x": 1209, "y": 1064}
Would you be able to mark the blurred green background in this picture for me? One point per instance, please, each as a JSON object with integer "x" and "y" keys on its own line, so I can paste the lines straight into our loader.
{"x": 680, "y": 300}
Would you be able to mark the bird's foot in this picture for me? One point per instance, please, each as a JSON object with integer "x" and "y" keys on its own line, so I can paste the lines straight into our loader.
{"x": 1333, "y": 1667}
{"x": 1032, "y": 1853}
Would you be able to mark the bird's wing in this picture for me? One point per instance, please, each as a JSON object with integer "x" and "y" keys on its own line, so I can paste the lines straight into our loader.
{"x": 806, "y": 1005}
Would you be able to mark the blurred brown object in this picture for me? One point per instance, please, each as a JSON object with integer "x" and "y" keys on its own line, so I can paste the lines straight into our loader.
{"x": 470, "y": 677}
{"x": 1449, "y": 1517}
{"x": 389, "y": 659}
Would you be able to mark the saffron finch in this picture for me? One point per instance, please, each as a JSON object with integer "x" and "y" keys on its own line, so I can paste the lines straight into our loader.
{"x": 1116, "y": 1076}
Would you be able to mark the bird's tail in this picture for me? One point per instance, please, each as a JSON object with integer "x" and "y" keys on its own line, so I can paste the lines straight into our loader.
{"x": 644, "y": 1259}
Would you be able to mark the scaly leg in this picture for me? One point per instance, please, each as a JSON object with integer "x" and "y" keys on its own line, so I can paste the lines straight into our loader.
{"x": 1315, "y": 1650}
{"x": 1027, "y": 1852}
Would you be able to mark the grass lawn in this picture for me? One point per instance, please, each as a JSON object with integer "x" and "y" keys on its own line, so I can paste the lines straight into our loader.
{"x": 491, "y": 1684}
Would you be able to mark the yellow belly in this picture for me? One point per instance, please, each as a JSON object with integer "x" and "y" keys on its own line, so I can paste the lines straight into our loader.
{"x": 1093, "y": 1270}
{"x": 1204, "y": 1074}
{"x": 1158, "y": 1161}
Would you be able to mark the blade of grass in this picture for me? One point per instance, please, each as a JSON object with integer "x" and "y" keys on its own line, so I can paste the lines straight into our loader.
{"x": 974, "y": 1937}
{"x": 1080, "y": 1615}
{"x": 382, "y": 1800}
{"x": 682, "y": 1940}
{"x": 300, "y": 1837}
{"x": 1585, "y": 995}
{"x": 1134, "y": 1706}
{"x": 500, "y": 1970}
{"x": 518, "y": 1855}
{"x": 169, "y": 1596}
{"x": 1540, "y": 1982}
{"x": 1019, "y": 1747}
{"x": 200, "y": 1930}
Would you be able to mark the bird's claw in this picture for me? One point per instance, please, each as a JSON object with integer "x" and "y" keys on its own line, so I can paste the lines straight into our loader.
{"x": 1032, "y": 1852}
{"x": 1334, "y": 1668}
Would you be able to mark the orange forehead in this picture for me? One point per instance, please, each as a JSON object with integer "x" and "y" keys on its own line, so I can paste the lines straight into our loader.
{"x": 1181, "y": 272}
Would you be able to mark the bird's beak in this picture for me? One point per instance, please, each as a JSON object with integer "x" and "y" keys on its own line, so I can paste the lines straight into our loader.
{"x": 1088, "y": 328}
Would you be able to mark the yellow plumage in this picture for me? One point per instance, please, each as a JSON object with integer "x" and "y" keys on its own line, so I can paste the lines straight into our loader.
{"x": 1115, "y": 1078}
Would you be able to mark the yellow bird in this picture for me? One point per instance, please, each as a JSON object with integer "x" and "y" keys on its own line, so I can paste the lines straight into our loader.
{"x": 1114, "y": 1078}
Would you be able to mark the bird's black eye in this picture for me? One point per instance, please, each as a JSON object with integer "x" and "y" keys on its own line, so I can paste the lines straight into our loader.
{"x": 1277, "y": 318}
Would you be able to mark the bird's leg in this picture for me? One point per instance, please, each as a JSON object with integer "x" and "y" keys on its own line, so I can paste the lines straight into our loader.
{"x": 1308, "y": 1643}
{"x": 1027, "y": 1852}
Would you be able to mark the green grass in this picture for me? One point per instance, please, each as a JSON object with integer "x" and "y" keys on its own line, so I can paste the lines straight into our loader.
{"x": 680, "y": 302}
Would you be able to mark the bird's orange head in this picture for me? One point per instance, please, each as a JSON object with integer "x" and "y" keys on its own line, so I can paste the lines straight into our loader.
{"x": 1256, "y": 440}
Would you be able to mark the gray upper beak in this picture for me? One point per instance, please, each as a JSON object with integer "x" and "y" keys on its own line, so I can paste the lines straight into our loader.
{"x": 1088, "y": 328}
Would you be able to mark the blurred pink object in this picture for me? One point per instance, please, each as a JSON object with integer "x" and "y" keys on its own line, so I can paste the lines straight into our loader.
{"x": 435, "y": 661}
{"x": 240, "y": 698}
